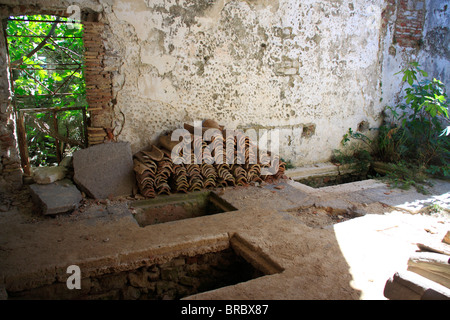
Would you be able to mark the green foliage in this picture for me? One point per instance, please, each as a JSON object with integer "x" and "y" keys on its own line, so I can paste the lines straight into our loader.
{"x": 413, "y": 136}
{"x": 404, "y": 175}
{"x": 54, "y": 68}
{"x": 390, "y": 142}
{"x": 436, "y": 208}
{"x": 52, "y": 77}
{"x": 423, "y": 137}
{"x": 358, "y": 155}
{"x": 288, "y": 164}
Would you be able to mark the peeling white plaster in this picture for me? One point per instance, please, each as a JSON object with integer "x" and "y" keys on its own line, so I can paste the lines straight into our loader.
{"x": 249, "y": 64}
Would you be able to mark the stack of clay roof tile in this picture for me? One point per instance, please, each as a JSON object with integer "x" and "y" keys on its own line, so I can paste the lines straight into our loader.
{"x": 224, "y": 176}
{"x": 145, "y": 167}
{"x": 194, "y": 176}
{"x": 179, "y": 182}
{"x": 163, "y": 173}
{"x": 157, "y": 173}
{"x": 209, "y": 175}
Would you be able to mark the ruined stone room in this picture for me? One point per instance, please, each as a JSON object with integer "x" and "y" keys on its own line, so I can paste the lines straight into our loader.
{"x": 244, "y": 152}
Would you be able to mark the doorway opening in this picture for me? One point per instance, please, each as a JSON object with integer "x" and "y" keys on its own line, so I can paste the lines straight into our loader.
{"x": 46, "y": 62}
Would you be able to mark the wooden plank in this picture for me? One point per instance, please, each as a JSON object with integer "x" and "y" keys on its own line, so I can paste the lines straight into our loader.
{"x": 446, "y": 238}
{"x": 434, "y": 266}
{"x": 435, "y": 247}
{"x": 407, "y": 285}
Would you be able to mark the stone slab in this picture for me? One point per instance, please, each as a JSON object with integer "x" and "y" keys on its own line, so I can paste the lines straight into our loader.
{"x": 105, "y": 170}
{"x": 54, "y": 198}
{"x": 409, "y": 200}
{"x": 296, "y": 197}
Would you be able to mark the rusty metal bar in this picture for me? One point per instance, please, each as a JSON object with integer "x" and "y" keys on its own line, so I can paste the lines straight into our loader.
{"x": 38, "y": 81}
{"x": 23, "y": 146}
{"x": 33, "y": 20}
{"x": 58, "y": 147}
{"x": 66, "y": 80}
{"x": 86, "y": 142}
{"x": 38, "y": 36}
{"x": 50, "y": 64}
{"x": 45, "y": 95}
{"x": 51, "y": 109}
{"x": 45, "y": 69}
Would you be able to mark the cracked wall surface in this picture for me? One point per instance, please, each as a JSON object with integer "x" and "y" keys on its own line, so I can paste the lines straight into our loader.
{"x": 432, "y": 51}
{"x": 248, "y": 64}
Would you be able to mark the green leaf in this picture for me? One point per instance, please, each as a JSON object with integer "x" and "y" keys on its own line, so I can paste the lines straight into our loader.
{"x": 405, "y": 77}
{"x": 445, "y": 132}
{"x": 410, "y": 80}
{"x": 57, "y": 77}
{"x": 445, "y": 112}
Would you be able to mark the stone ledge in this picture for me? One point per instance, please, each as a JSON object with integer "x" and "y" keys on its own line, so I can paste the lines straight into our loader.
{"x": 316, "y": 170}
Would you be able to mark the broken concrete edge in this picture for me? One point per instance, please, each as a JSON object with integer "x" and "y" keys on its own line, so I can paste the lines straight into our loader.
{"x": 255, "y": 256}
{"x": 301, "y": 186}
{"x": 98, "y": 266}
{"x": 156, "y": 254}
{"x": 407, "y": 285}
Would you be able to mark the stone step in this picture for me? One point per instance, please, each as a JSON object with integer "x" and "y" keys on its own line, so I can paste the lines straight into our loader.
{"x": 59, "y": 197}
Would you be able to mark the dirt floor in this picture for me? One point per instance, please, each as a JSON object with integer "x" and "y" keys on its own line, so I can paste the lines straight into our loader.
{"x": 340, "y": 242}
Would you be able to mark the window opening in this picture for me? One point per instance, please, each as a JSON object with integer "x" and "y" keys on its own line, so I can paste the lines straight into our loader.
{"x": 46, "y": 56}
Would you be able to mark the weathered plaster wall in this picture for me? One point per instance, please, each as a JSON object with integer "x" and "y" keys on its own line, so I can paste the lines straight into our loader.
{"x": 248, "y": 64}
{"x": 432, "y": 51}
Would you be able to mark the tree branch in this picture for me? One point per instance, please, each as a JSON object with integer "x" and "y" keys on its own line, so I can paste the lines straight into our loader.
{"x": 45, "y": 128}
{"x": 39, "y": 46}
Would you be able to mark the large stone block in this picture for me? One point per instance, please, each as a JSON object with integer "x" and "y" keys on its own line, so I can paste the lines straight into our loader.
{"x": 105, "y": 170}
{"x": 58, "y": 197}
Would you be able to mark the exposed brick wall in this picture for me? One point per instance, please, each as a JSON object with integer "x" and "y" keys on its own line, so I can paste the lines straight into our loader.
{"x": 388, "y": 12}
{"x": 99, "y": 93}
{"x": 410, "y": 22}
{"x": 98, "y": 84}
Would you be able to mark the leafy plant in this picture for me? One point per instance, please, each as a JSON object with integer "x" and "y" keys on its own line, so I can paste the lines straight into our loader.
{"x": 358, "y": 156}
{"x": 413, "y": 136}
{"x": 404, "y": 175}
{"x": 288, "y": 164}
{"x": 422, "y": 118}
